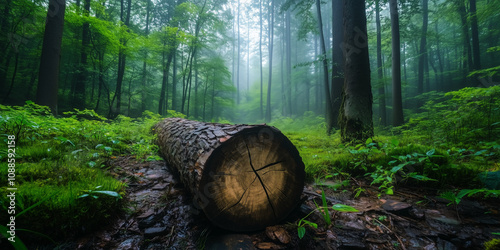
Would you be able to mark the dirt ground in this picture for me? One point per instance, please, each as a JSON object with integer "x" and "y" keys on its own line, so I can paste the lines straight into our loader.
{"x": 159, "y": 215}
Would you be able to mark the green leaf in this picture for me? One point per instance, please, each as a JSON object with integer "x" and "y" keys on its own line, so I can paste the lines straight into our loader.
{"x": 301, "y": 231}
{"x": 110, "y": 193}
{"x": 326, "y": 214}
{"x": 431, "y": 152}
{"x": 17, "y": 244}
{"x": 344, "y": 208}
{"x": 394, "y": 142}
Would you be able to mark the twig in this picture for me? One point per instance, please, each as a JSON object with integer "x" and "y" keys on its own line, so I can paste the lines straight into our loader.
{"x": 390, "y": 231}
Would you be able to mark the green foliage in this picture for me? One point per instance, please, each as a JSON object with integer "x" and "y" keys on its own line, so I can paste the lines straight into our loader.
{"x": 465, "y": 116}
{"x": 455, "y": 198}
{"x": 492, "y": 244}
{"x": 324, "y": 210}
{"x": 67, "y": 156}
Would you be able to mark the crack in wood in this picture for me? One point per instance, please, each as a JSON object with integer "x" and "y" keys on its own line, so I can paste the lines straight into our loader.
{"x": 261, "y": 182}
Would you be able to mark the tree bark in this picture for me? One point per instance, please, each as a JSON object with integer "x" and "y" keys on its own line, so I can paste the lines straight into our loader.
{"x": 244, "y": 177}
{"x": 381, "y": 84}
{"x": 326, "y": 83}
{"x": 356, "y": 110}
{"x": 397, "y": 101}
{"x": 271, "y": 40}
{"x": 48, "y": 78}
{"x": 80, "y": 87}
{"x": 337, "y": 58}
{"x": 422, "y": 55}
{"x": 260, "y": 62}
{"x": 475, "y": 36}
{"x": 238, "y": 58}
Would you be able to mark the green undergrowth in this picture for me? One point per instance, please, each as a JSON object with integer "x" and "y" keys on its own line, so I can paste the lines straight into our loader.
{"x": 448, "y": 143}
{"x": 62, "y": 178}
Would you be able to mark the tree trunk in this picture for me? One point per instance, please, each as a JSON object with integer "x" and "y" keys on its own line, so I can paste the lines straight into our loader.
{"x": 467, "y": 53}
{"x": 326, "y": 83}
{"x": 397, "y": 101}
{"x": 356, "y": 110}
{"x": 144, "y": 64}
{"x": 289, "y": 64}
{"x": 121, "y": 62}
{"x": 475, "y": 36}
{"x": 423, "y": 46}
{"x": 381, "y": 85}
{"x": 337, "y": 58}
{"x": 260, "y": 62}
{"x": 238, "y": 57}
{"x": 80, "y": 87}
{"x": 244, "y": 177}
{"x": 48, "y": 78}
{"x": 271, "y": 40}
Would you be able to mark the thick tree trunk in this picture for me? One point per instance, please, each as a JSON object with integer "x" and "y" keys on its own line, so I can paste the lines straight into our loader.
{"x": 356, "y": 111}
{"x": 244, "y": 177}
{"x": 48, "y": 78}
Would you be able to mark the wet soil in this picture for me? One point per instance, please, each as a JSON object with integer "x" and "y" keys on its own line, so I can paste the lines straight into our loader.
{"x": 159, "y": 215}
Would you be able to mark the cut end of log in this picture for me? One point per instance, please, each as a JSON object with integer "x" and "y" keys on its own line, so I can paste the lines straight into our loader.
{"x": 254, "y": 180}
{"x": 250, "y": 178}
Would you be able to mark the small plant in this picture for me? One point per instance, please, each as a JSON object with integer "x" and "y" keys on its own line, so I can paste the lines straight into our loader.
{"x": 324, "y": 210}
{"x": 95, "y": 193}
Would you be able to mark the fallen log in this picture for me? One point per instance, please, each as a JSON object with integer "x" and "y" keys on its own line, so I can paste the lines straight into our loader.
{"x": 244, "y": 177}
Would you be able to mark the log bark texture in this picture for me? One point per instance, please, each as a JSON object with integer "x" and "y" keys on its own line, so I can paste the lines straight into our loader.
{"x": 244, "y": 177}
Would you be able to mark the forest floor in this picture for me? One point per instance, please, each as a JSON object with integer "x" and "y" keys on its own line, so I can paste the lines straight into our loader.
{"x": 159, "y": 214}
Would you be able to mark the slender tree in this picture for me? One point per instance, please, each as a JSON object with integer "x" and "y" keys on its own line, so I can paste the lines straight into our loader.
{"x": 397, "y": 101}
{"x": 260, "y": 62}
{"x": 337, "y": 59}
{"x": 121, "y": 58}
{"x": 271, "y": 40}
{"x": 80, "y": 87}
{"x": 422, "y": 56}
{"x": 326, "y": 83}
{"x": 144, "y": 64}
{"x": 238, "y": 56}
{"x": 381, "y": 85}
{"x": 475, "y": 35}
{"x": 356, "y": 110}
{"x": 48, "y": 75}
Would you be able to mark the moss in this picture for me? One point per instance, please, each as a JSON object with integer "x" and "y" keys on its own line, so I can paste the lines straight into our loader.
{"x": 493, "y": 244}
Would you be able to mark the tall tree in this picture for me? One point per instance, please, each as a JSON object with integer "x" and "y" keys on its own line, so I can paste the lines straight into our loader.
{"x": 467, "y": 63}
{"x": 271, "y": 40}
{"x": 260, "y": 62}
{"x": 288, "y": 35}
{"x": 397, "y": 101}
{"x": 80, "y": 89}
{"x": 381, "y": 85}
{"x": 238, "y": 56}
{"x": 337, "y": 59}
{"x": 122, "y": 56}
{"x": 48, "y": 75}
{"x": 356, "y": 110}
{"x": 422, "y": 55}
{"x": 144, "y": 64}
{"x": 328, "y": 107}
{"x": 475, "y": 35}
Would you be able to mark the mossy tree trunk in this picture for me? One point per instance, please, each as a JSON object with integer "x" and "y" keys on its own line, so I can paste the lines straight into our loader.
{"x": 356, "y": 110}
